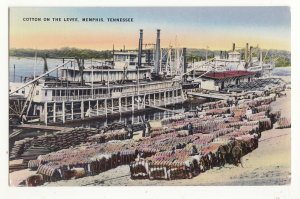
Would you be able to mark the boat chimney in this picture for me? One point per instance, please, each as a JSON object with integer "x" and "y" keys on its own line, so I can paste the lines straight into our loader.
{"x": 233, "y": 47}
{"x": 250, "y": 54}
{"x": 140, "y": 49}
{"x": 246, "y": 52}
{"x": 157, "y": 53}
{"x": 184, "y": 63}
{"x": 260, "y": 57}
{"x": 113, "y": 54}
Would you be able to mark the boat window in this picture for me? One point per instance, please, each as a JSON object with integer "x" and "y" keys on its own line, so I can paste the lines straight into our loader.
{"x": 23, "y": 91}
{"x": 37, "y": 92}
{"x": 45, "y": 92}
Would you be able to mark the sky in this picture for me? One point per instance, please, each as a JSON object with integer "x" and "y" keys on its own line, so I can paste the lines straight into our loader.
{"x": 215, "y": 28}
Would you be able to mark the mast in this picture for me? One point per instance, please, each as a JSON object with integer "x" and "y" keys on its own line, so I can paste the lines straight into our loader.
{"x": 139, "y": 60}
{"x": 206, "y": 53}
{"x": 140, "y": 49}
{"x": 113, "y": 54}
{"x": 34, "y": 66}
{"x": 14, "y": 72}
{"x": 92, "y": 79}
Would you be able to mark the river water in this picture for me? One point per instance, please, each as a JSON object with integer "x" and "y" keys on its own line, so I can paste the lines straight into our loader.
{"x": 282, "y": 71}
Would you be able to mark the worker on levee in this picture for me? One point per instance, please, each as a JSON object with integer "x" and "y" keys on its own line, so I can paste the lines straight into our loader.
{"x": 173, "y": 150}
{"x": 249, "y": 112}
{"x": 146, "y": 130}
{"x": 190, "y": 128}
{"x": 129, "y": 132}
{"x": 194, "y": 150}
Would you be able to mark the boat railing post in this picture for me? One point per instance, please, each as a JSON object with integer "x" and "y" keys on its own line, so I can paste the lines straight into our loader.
{"x": 72, "y": 110}
{"x": 165, "y": 98}
{"x": 97, "y": 105}
{"x": 138, "y": 102}
{"x": 132, "y": 104}
{"x": 63, "y": 112}
{"x": 46, "y": 113}
{"x": 120, "y": 105}
{"x": 82, "y": 109}
{"x": 90, "y": 109}
{"x": 54, "y": 112}
{"x": 173, "y": 95}
{"x": 105, "y": 104}
{"x": 159, "y": 98}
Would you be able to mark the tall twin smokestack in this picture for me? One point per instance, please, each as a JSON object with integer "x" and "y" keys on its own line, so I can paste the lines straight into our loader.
{"x": 140, "y": 48}
{"x": 246, "y": 52}
{"x": 250, "y": 54}
{"x": 233, "y": 47}
{"x": 157, "y": 52}
{"x": 184, "y": 62}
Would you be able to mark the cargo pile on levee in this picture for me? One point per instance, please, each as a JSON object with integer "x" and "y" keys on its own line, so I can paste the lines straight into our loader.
{"x": 183, "y": 146}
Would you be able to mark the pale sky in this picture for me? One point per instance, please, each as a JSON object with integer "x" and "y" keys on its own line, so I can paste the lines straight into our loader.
{"x": 194, "y": 27}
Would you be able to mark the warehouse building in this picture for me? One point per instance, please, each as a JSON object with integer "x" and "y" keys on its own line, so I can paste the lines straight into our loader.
{"x": 219, "y": 80}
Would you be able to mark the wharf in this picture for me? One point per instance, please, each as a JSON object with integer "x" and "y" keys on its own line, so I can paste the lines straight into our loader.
{"x": 42, "y": 127}
{"x": 210, "y": 96}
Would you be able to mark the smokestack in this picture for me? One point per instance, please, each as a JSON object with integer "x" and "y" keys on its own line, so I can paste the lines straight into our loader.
{"x": 246, "y": 52}
{"x": 140, "y": 48}
{"x": 250, "y": 54}
{"x": 113, "y": 54}
{"x": 260, "y": 57}
{"x": 184, "y": 62}
{"x": 157, "y": 53}
{"x": 233, "y": 47}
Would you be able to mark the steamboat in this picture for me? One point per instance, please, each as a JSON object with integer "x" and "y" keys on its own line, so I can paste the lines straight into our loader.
{"x": 132, "y": 81}
{"x": 243, "y": 59}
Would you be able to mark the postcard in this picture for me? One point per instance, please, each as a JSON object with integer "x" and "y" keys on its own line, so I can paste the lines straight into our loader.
{"x": 149, "y": 96}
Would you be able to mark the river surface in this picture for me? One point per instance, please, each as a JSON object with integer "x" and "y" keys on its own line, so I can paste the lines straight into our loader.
{"x": 25, "y": 67}
{"x": 282, "y": 71}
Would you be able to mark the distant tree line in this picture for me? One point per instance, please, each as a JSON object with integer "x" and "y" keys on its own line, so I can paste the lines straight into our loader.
{"x": 62, "y": 52}
{"x": 193, "y": 54}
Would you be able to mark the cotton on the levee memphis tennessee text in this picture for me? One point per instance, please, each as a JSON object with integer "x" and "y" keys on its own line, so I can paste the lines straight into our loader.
{"x": 67, "y": 19}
